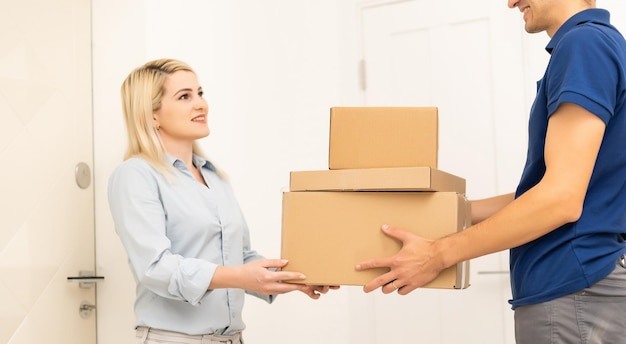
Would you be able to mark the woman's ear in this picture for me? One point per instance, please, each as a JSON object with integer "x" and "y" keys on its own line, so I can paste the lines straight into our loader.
{"x": 155, "y": 122}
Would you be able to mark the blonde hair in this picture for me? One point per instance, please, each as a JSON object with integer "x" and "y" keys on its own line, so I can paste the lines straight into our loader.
{"x": 142, "y": 91}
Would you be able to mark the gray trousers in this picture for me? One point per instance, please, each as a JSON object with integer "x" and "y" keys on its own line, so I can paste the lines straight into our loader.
{"x": 593, "y": 315}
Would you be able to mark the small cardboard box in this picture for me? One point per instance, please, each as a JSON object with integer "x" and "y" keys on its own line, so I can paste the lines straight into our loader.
{"x": 377, "y": 179}
{"x": 371, "y": 137}
{"x": 325, "y": 234}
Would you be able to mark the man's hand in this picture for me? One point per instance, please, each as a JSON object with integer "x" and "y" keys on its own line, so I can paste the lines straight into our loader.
{"x": 416, "y": 264}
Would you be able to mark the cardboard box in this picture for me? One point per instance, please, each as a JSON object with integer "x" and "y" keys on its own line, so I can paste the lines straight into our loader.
{"x": 371, "y": 137}
{"x": 377, "y": 179}
{"x": 325, "y": 234}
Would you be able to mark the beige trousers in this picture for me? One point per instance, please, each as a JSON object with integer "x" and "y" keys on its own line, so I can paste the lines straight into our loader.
{"x": 146, "y": 335}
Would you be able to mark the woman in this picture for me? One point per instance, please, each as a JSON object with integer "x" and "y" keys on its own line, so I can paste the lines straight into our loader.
{"x": 184, "y": 233}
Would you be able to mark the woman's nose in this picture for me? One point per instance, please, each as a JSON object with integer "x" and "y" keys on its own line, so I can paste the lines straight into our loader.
{"x": 201, "y": 103}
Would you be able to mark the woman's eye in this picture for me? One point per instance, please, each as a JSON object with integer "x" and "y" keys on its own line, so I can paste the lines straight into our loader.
{"x": 201, "y": 94}
{"x": 184, "y": 96}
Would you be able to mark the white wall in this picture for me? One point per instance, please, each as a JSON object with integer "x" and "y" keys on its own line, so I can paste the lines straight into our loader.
{"x": 118, "y": 46}
{"x": 270, "y": 70}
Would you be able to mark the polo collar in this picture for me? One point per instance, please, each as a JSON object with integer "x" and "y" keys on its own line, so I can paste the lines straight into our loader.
{"x": 596, "y": 15}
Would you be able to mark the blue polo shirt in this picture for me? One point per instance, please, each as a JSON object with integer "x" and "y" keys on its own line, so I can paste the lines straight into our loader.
{"x": 587, "y": 68}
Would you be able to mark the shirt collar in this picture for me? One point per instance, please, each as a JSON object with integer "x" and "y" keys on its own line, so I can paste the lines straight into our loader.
{"x": 596, "y": 15}
{"x": 198, "y": 161}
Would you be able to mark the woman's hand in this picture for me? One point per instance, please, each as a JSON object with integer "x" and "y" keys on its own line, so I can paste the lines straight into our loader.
{"x": 315, "y": 291}
{"x": 264, "y": 276}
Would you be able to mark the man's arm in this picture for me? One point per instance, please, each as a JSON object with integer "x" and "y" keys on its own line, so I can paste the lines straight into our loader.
{"x": 572, "y": 143}
{"x": 484, "y": 208}
{"x": 573, "y": 140}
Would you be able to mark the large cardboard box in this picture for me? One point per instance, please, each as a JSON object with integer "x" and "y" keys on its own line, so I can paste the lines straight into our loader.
{"x": 370, "y": 137}
{"x": 377, "y": 179}
{"x": 325, "y": 234}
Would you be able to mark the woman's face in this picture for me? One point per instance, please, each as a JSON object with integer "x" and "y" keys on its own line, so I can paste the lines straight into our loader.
{"x": 182, "y": 117}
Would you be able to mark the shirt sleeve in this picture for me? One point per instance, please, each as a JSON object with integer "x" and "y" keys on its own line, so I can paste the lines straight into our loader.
{"x": 140, "y": 222}
{"x": 250, "y": 255}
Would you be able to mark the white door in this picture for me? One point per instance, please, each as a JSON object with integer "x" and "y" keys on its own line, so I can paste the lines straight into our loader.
{"x": 47, "y": 223}
{"x": 465, "y": 58}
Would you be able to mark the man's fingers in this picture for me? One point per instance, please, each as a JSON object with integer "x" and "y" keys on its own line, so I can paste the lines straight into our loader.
{"x": 374, "y": 263}
{"x": 378, "y": 282}
{"x": 394, "y": 232}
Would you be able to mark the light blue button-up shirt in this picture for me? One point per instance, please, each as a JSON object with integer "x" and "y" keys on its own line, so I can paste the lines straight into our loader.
{"x": 176, "y": 231}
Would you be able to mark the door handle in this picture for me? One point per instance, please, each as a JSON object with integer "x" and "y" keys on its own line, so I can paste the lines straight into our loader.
{"x": 85, "y": 279}
{"x": 498, "y": 272}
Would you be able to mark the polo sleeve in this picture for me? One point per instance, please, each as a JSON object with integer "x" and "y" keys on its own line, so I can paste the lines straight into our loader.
{"x": 584, "y": 70}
